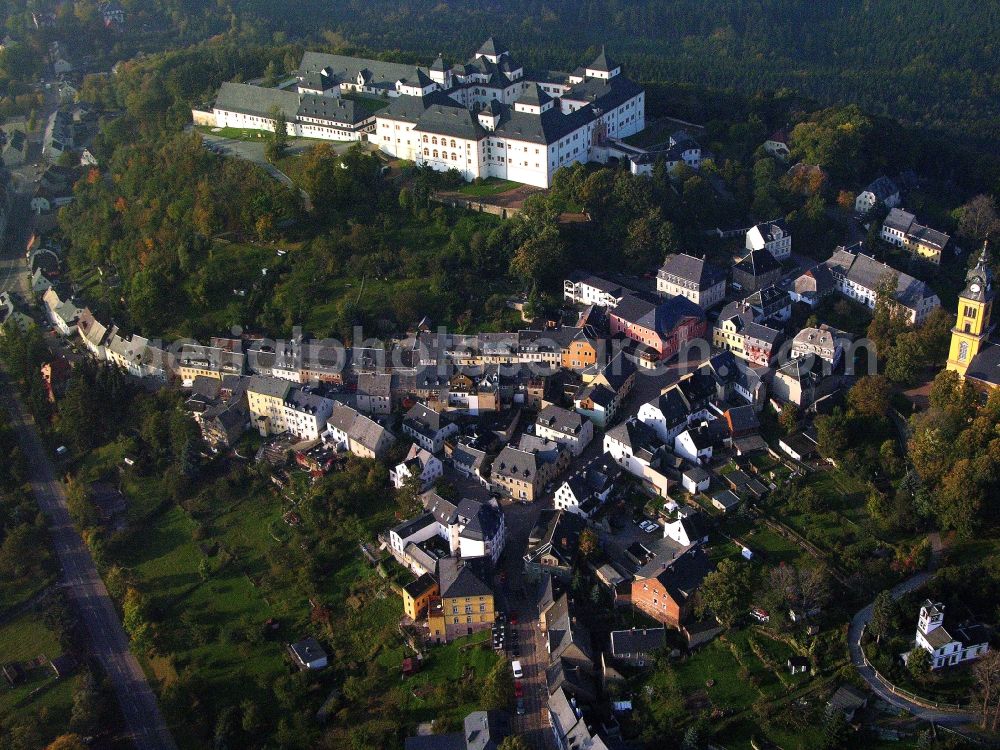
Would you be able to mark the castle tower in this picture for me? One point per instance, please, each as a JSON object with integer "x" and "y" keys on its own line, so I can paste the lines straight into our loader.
{"x": 972, "y": 327}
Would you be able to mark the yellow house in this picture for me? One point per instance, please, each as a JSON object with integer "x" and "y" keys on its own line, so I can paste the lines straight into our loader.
{"x": 728, "y": 331}
{"x": 465, "y": 605}
{"x": 417, "y": 596}
{"x": 972, "y": 328}
{"x": 266, "y": 399}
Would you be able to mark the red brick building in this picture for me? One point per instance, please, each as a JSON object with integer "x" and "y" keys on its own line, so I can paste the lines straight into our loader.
{"x": 665, "y": 590}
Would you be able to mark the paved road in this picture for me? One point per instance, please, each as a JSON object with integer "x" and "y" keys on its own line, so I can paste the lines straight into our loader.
{"x": 109, "y": 643}
{"x": 858, "y": 623}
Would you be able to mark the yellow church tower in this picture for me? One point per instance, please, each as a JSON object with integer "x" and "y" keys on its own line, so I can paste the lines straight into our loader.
{"x": 975, "y": 304}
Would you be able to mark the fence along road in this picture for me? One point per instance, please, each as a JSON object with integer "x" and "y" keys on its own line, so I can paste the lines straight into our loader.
{"x": 109, "y": 643}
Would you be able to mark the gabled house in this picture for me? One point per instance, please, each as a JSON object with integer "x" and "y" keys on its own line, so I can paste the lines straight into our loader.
{"x": 697, "y": 442}
{"x": 374, "y": 393}
{"x": 357, "y": 433}
{"x": 585, "y": 491}
{"x": 587, "y": 289}
{"x": 553, "y": 543}
{"x": 667, "y": 594}
{"x": 772, "y": 236}
{"x": 637, "y": 647}
{"x": 688, "y": 529}
{"x": 902, "y": 229}
{"x": 695, "y": 479}
{"x": 466, "y": 605}
{"x": 565, "y": 427}
{"x": 428, "y": 429}
{"x": 421, "y": 463}
{"x": 695, "y": 278}
{"x": 880, "y": 190}
{"x": 602, "y": 398}
{"x": 482, "y": 730}
{"x": 813, "y": 285}
{"x": 522, "y": 472}
{"x": 469, "y": 461}
{"x": 952, "y": 645}
{"x": 756, "y": 270}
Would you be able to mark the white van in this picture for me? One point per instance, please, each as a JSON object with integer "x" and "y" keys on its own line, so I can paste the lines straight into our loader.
{"x": 516, "y": 666}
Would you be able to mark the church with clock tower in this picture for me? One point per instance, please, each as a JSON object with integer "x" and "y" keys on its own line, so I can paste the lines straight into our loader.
{"x": 972, "y": 354}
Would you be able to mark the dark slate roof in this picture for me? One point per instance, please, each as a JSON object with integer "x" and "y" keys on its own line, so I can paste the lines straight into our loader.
{"x": 605, "y": 94}
{"x": 603, "y": 62}
{"x": 378, "y": 72}
{"x": 546, "y": 128}
{"x": 682, "y": 577}
{"x": 439, "y": 65}
{"x": 985, "y": 366}
{"x": 256, "y": 100}
{"x": 640, "y": 438}
{"x": 695, "y": 525}
{"x": 406, "y": 528}
{"x": 868, "y": 272}
{"x": 981, "y": 274}
{"x": 882, "y": 188}
{"x": 410, "y": 108}
{"x": 534, "y": 96}
{"x": 743, "y": 418}
{"x": 662, "y": 318}
{"x": 762, "y": 333}
{"x": 485, "y": 730}
{"x": 424, "y": 420}
{"x": 461, "y": 578}
{"x": 635, "y": 641}
{"x": 695, "y": 270}
{"x": 451, "y": 121}
{"x": 331, "y": 108}
{"x": 420, "y": 585}
{"x": 559, "y": 419}
{"x": 482, "y": 519}
{"x": 491, "y": 47}
{"x": 759, "y": 262}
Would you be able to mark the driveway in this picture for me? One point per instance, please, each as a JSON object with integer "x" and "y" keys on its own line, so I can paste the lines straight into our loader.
{"x": 858, "y": 623}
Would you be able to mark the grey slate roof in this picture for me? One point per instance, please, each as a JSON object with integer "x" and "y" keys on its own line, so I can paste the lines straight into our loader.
{"x": 332, "y": 108}
{"x": 758, "y": 262}
{"x": 491, "y": 47}
{"x": 256, "y": 100}
{"x": 457, "y": 122}
{"x": 695, "y": 270}
{"x": 559, "y": 419}
{"x": 546, "y": 128}
{"x": 636, "y": 641}
{"x": 882, "y": 188}
{"x": 603, "y": 62}
{"x": 868, "y": 272}
{"x": 461, "y": 578}
{"x": 606, "y": 94}
{"x": 379, "y": 73}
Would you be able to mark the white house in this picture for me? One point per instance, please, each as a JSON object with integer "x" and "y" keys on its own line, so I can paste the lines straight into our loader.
{"x": 415, "y": 530}
{"x": 696, "y": 443}
{"x": 565, "y": 427}
{"x": 419, "y": 462}
{"x": 772, "y": 236}
{"x": 308, "y": 654}
{"x": 948, "y": 647}
{"x": 428, "y": 428}
{"x": 695, "y": 480}
{"x": 688, "y": 529}
{"x": 857, "y": 276}
{"x": 880, "y": 190}
{"x": 586, "y": 490}
{"x": 695, "y": 278}
{"x": 585, "y": 288}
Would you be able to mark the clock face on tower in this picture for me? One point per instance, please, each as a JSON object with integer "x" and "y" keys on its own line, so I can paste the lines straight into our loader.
{"x": 974, "y": 287}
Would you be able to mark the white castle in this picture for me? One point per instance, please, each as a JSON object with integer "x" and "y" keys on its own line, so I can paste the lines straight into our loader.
{"x": 483, "y": 118}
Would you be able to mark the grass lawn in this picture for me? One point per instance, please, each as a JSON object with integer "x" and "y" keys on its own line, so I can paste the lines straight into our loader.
{"x": 716, "y": 662}
{"x": 22, "y": 639}
{"x": 774, "y": 548}
{"x": 489, "y": 187}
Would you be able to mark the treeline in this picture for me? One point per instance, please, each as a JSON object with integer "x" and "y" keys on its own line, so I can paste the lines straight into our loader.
{"x": 927, "y": 64}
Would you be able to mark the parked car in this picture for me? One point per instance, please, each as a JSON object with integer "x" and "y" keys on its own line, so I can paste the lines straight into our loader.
{"x": 518, "y": 689}
{"x": 520, "y": 707}
{"x": 516, "y": 667}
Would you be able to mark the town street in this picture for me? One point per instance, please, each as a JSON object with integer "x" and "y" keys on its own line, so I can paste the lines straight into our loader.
{"x": 80, "y": 578}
